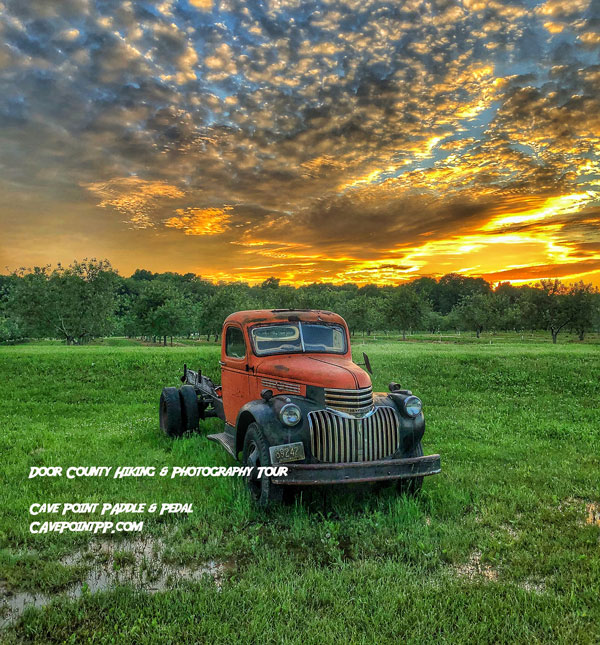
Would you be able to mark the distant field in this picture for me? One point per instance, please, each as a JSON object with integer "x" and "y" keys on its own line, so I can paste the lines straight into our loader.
{"x": 503, "y": 546}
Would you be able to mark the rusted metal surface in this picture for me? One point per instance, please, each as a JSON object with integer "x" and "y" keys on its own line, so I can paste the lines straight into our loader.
{"x": 255, "y": 316}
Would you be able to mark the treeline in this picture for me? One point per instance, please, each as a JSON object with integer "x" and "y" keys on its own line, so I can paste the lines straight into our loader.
{"x": 89, "y": 299}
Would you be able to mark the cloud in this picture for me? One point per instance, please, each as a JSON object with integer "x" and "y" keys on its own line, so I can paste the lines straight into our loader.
{"x": 201, "y": 221}
{"x": 539, "y": 272}
{"x": 204, "y": 5}
{"x": 135, "y": 198}
{"x": 354, "y": 140}
{"x": 558, "y": 8}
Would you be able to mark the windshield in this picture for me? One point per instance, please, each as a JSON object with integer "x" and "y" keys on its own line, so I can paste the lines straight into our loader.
{"x": 286, "y": 338}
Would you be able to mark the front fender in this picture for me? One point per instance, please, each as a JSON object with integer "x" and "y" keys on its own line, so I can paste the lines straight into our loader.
{"x": 412, "y": 429}
{"x": 266, "y": 415}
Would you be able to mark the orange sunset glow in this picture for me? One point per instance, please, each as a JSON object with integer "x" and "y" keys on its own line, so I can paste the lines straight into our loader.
{"x": 336, "y": 141}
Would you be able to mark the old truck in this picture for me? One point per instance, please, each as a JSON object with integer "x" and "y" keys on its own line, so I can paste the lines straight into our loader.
{"x": 291, "y": 395}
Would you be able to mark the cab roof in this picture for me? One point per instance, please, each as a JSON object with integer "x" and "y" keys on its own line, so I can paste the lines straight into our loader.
{"x": 255, "y": 316}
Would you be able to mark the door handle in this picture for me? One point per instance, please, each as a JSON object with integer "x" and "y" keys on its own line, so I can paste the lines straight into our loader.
{"x": 221, "y": 363}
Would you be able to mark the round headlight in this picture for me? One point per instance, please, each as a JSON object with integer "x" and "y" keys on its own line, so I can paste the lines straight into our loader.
{"x": 290, "y": 414}
{"x": 413, "y": 406}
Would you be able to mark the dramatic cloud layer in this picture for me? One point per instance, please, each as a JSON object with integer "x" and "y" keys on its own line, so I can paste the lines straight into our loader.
{"x": 333, "y": 140}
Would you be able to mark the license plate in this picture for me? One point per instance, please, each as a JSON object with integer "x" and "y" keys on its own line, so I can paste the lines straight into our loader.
{"x": 287, "y": 452}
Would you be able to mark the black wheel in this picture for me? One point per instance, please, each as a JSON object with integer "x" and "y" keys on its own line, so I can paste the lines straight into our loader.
{"x": 171, "y": 419}
{"x": 256, "y": 453}
{"x": 412, "y": 486}
{"x": 189, "y": 407}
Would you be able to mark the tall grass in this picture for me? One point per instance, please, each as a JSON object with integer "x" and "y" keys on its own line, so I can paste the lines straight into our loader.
{"x": 496, "y": 549}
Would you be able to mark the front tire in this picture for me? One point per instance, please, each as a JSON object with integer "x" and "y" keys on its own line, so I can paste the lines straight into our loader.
{"x": 170, "y": 415}
{"x": 411, "y": 487}
{"x": 256, "y": 453}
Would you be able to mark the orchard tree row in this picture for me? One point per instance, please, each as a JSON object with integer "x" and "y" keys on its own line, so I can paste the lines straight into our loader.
{"x": 89, "y": 299}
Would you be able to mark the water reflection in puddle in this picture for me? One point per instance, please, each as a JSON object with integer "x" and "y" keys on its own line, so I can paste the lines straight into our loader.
{"x": 136, "y": 564}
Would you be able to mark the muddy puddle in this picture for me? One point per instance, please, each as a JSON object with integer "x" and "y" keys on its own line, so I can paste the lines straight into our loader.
{"x": 591, "y": 510}
{"x": 138, "y": 564}
{"x": 592, "y": 513}
{"x": 475, "y": 568}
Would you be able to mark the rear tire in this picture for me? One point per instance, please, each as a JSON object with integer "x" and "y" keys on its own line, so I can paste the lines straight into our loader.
{"x": 171, "y": 418}
{"x": 256, "y": 453}
{"x": 411, "y": 487}
{"x": 189, "y": 407}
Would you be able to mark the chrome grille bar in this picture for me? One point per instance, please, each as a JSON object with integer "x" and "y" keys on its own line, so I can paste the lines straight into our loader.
{"x": 352, "y": 401}
{"x": 335, "y": 438}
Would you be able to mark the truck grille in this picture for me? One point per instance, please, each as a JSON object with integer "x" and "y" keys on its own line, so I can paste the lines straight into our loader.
{"x": 337, "y": 439}
{"x": 350, "y": 401}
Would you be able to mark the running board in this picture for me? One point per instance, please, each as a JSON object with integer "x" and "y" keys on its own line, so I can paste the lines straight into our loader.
{"x": 226, "y": 441}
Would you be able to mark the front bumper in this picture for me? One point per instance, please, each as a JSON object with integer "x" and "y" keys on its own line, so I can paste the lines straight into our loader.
{"x": 360, "y": 471}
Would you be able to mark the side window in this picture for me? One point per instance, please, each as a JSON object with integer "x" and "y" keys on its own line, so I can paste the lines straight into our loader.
{"x": 234, "y": 343}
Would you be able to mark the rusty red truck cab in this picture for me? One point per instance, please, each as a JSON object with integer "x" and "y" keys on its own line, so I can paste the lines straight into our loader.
{"x": 292, "y": 396}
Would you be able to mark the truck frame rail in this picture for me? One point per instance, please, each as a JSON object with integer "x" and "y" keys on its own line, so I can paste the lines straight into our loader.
{"x": 210, "y": 402}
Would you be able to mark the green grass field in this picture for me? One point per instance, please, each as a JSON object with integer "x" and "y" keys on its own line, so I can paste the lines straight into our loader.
{"x": 502, "y": 547}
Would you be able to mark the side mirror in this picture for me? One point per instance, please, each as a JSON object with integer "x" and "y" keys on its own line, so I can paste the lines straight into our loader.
{"x": 367, "y": 363}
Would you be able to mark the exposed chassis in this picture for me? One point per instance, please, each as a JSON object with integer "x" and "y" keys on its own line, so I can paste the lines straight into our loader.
{"x": 210, "y": 403}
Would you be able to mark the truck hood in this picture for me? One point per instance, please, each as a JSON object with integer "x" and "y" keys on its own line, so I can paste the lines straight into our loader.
{"x": 321, "y": 370}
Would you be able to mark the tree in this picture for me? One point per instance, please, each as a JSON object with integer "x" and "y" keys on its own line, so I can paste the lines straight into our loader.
{"x": 75, "y": 303}
{"x": 582, "y": 302}
{"x": 29, "y": 303}
{"x": 433, "y": 321}
{"x": 169, "y": 319}
{"x": 547, "y": 307}
{"x": 270, "y": 283}
{"x": 425, "y": 287}
{"x": 286, "y": 297}
{"x": 474, "y": 312}
{"x": 161, "y": 310}
{"x": 452, "y": 287}
{"x": 404, "y": 309}
{"x": 507, "y": 315}
{"x": 362, "y": 313}
{"x": 143, "y": 274}
{"x": 317, "y": 296}
{"x": 509, "y": 291}
{"x": 9, "y": 327}
{"x": 226, "y": 300}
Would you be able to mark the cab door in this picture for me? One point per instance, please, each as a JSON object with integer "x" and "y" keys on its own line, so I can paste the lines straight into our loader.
{"x": 235, "y": 377}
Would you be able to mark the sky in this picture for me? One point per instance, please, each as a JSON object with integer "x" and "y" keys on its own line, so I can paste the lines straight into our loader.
{"x": 334, "y": 141}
